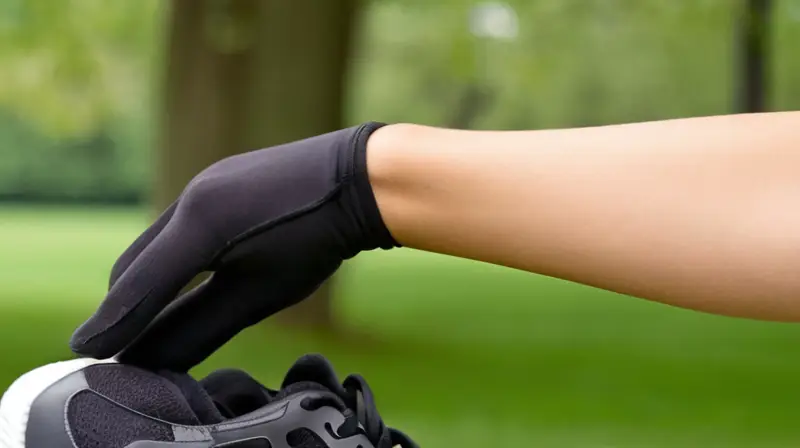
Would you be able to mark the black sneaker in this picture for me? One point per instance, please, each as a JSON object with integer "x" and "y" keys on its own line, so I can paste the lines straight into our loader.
{"x": 102, "y": 404}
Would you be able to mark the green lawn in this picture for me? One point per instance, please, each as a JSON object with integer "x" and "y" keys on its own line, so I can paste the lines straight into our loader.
{"x": 470, "y": 355}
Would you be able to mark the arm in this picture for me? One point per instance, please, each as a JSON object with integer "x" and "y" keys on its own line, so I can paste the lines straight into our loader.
{"x": 700, "y": 213}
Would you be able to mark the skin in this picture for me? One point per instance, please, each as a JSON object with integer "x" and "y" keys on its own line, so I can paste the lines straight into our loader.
{"x": 700, "y": 213}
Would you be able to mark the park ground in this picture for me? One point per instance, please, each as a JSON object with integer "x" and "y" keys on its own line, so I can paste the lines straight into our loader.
{"x": 460, "y": 354}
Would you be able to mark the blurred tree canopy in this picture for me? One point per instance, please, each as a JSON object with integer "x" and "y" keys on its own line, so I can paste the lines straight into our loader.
{"x": 79, "y": 77}
{"x": 75, "y": 98}
{"x": 71, "y": 66}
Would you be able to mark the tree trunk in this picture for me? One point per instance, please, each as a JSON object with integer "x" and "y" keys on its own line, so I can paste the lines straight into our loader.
{"x": 473, "y": 102}
{"x": 247, "y": 74}
{"x": 753, "y": 45}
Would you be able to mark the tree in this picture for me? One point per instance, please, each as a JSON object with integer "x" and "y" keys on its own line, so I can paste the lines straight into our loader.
{"x": 753, "y": 45}
{"x": 247, "y": 74}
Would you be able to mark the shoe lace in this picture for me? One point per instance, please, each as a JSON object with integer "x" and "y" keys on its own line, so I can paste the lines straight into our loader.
{"x": 362, "y": 416}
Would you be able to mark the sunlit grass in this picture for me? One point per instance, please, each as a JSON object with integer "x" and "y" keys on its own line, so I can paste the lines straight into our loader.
{"x": 61, "y": 254}
{"x": 471, "y": 355}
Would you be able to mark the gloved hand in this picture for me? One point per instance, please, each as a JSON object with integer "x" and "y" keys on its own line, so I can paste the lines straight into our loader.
{"x": 272, "y": 225}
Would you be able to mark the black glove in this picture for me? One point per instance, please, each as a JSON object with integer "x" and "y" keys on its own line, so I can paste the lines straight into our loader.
{"x": 272, "y": 225}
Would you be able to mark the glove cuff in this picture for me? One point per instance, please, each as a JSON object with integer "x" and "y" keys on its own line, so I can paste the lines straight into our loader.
{"x": 376, "y": 233}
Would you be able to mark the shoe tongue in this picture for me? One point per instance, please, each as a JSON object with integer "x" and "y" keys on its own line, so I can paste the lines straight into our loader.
{"x": 313, "y": 369}
{"x": 196, "y": 397}
{"x": 234, "y": 392}
{"x": 312, "y": 372}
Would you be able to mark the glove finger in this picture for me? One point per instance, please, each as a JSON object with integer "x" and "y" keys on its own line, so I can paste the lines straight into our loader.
{"x": 133, "y": 251}
{"x": 147, "y": 286}
{"x": 201, "y": 321}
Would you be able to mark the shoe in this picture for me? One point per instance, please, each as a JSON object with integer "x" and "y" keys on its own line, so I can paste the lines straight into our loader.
{"x": 87, "y": 403}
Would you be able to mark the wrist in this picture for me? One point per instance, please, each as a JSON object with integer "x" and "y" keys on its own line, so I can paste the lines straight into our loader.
{"x": 392, "y": 156}
{"x": 373, "y": 231}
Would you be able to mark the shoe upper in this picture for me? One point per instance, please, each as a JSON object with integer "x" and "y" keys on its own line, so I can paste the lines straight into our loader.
{"x": 113, "y": 405}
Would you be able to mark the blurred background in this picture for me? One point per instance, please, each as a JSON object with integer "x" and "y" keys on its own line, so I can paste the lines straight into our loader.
{"x": 108, "y": 108}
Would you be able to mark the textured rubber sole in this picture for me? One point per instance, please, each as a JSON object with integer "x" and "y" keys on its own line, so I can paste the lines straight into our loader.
{"x": 16, "y": 403}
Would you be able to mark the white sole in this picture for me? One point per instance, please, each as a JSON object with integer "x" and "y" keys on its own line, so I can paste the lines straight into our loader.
{"x": 18, "y": 399}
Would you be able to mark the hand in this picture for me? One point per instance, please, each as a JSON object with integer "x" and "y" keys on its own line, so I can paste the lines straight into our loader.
{"x": 272, "y": 225}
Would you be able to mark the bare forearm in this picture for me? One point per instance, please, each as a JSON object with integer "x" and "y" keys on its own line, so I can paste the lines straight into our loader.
{"x": 700, "y": 213}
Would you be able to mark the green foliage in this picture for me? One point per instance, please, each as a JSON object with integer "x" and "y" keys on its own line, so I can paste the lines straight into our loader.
{"x": 106, "y": 165}
{"x": 78, "y": 78}
{"x": 70, "y": 67}
{"x": 75, "y": 98}
{"x": 574, "y": 62}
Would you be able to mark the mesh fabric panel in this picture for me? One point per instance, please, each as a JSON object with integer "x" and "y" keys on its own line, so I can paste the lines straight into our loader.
{"x": 142, "y": 391}
{"x": 98, "y": 423}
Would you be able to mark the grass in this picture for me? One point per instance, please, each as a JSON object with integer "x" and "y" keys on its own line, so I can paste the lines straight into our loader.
{"x": 471, "y": 355}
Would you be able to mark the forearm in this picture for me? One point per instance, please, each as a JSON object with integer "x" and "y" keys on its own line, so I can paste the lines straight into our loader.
{"x": 700, "y": 213}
